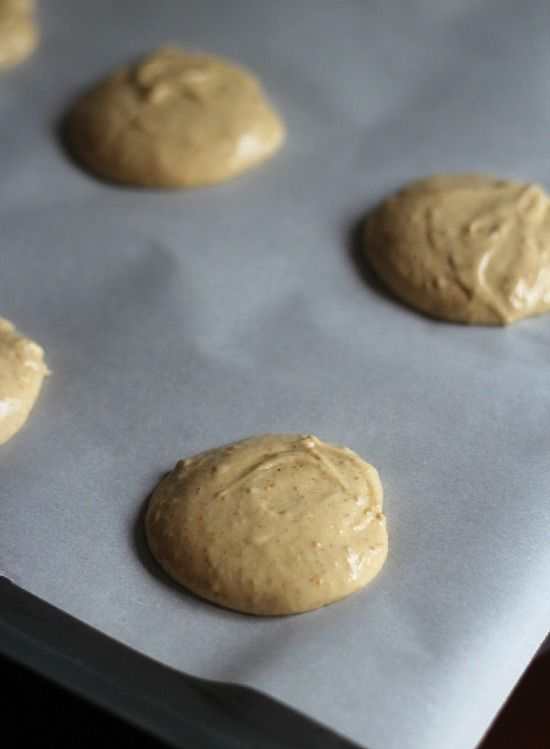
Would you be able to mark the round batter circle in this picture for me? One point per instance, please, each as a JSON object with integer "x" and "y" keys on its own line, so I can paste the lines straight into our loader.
{"x": 276, "y": 524}
{"x": 465, "y": 247}
{"x": 175, "y": 120}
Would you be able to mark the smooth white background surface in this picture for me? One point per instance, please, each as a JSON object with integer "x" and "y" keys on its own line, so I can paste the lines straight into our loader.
{"x": 174, "y": 322}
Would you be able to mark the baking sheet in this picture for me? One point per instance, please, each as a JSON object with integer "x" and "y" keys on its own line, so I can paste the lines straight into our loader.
{"x": 174, "y": 322}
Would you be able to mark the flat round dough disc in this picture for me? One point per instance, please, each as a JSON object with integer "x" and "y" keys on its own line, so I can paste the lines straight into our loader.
{"x": 18, "y": 32}
{"x": 465, "y": 247}
{"x": 277, "y": 524}
{"x": 175, "y": 120}
{"x": 22, "y": 370}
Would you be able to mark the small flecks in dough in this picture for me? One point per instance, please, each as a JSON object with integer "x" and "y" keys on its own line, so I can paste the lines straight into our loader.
{"x": 22, "y": 370}
{"x": 465, "y": 247}
{"x": 175, "y": 119}
{"x": 18, "y": 31}
{"x": 278, "y": 524}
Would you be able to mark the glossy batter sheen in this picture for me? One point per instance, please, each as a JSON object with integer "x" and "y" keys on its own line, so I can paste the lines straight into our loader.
{"x": 465, "y": 247}
{"x": 175, "y": 120}
{"x": 22, "y": 370}
{"x": 18, "y": 31}
{"x": 277, "y": 524}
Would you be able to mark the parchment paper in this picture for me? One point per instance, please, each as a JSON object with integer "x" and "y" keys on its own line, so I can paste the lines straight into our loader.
{"x": 174, "y": 322}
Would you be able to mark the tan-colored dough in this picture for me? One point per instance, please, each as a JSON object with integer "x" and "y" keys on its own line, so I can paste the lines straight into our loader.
{"x": 22, "y": 370}
{"x": 465, "y": 247}
{"x": 18, "y": 31}
{"x": 277, "y": 524}
{"x": 175, "y": 120}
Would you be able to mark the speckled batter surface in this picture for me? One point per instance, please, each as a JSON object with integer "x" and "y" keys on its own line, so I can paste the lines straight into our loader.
{"x": 465, "y": 247}
{"x": 276, "y": 524}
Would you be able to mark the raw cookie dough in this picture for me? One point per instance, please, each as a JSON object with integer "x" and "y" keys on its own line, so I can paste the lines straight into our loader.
{"x": 22, "y": 370}
{"x": 18, "y": 31}
{"x": 465, "y": 247}
{"x": 277, "y": 524}
{"x": 175, "y": 120}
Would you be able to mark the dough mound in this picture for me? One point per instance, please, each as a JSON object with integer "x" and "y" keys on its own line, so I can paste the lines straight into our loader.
{"x": 22, "y": 370}
{"x": 18, "y": 31}
{"x": 175, "y": 120}
{"x": 465, "y": 247}
{"x": 277, "y": 524}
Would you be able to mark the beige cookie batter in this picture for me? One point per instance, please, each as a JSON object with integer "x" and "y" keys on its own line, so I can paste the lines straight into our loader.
{"x": 277, "y": 524}
{"x": 465, "y": 247}
{"x": 175, "y": 120}
{"x": 22, "y": 370}
{"x": 18, "y": 31}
